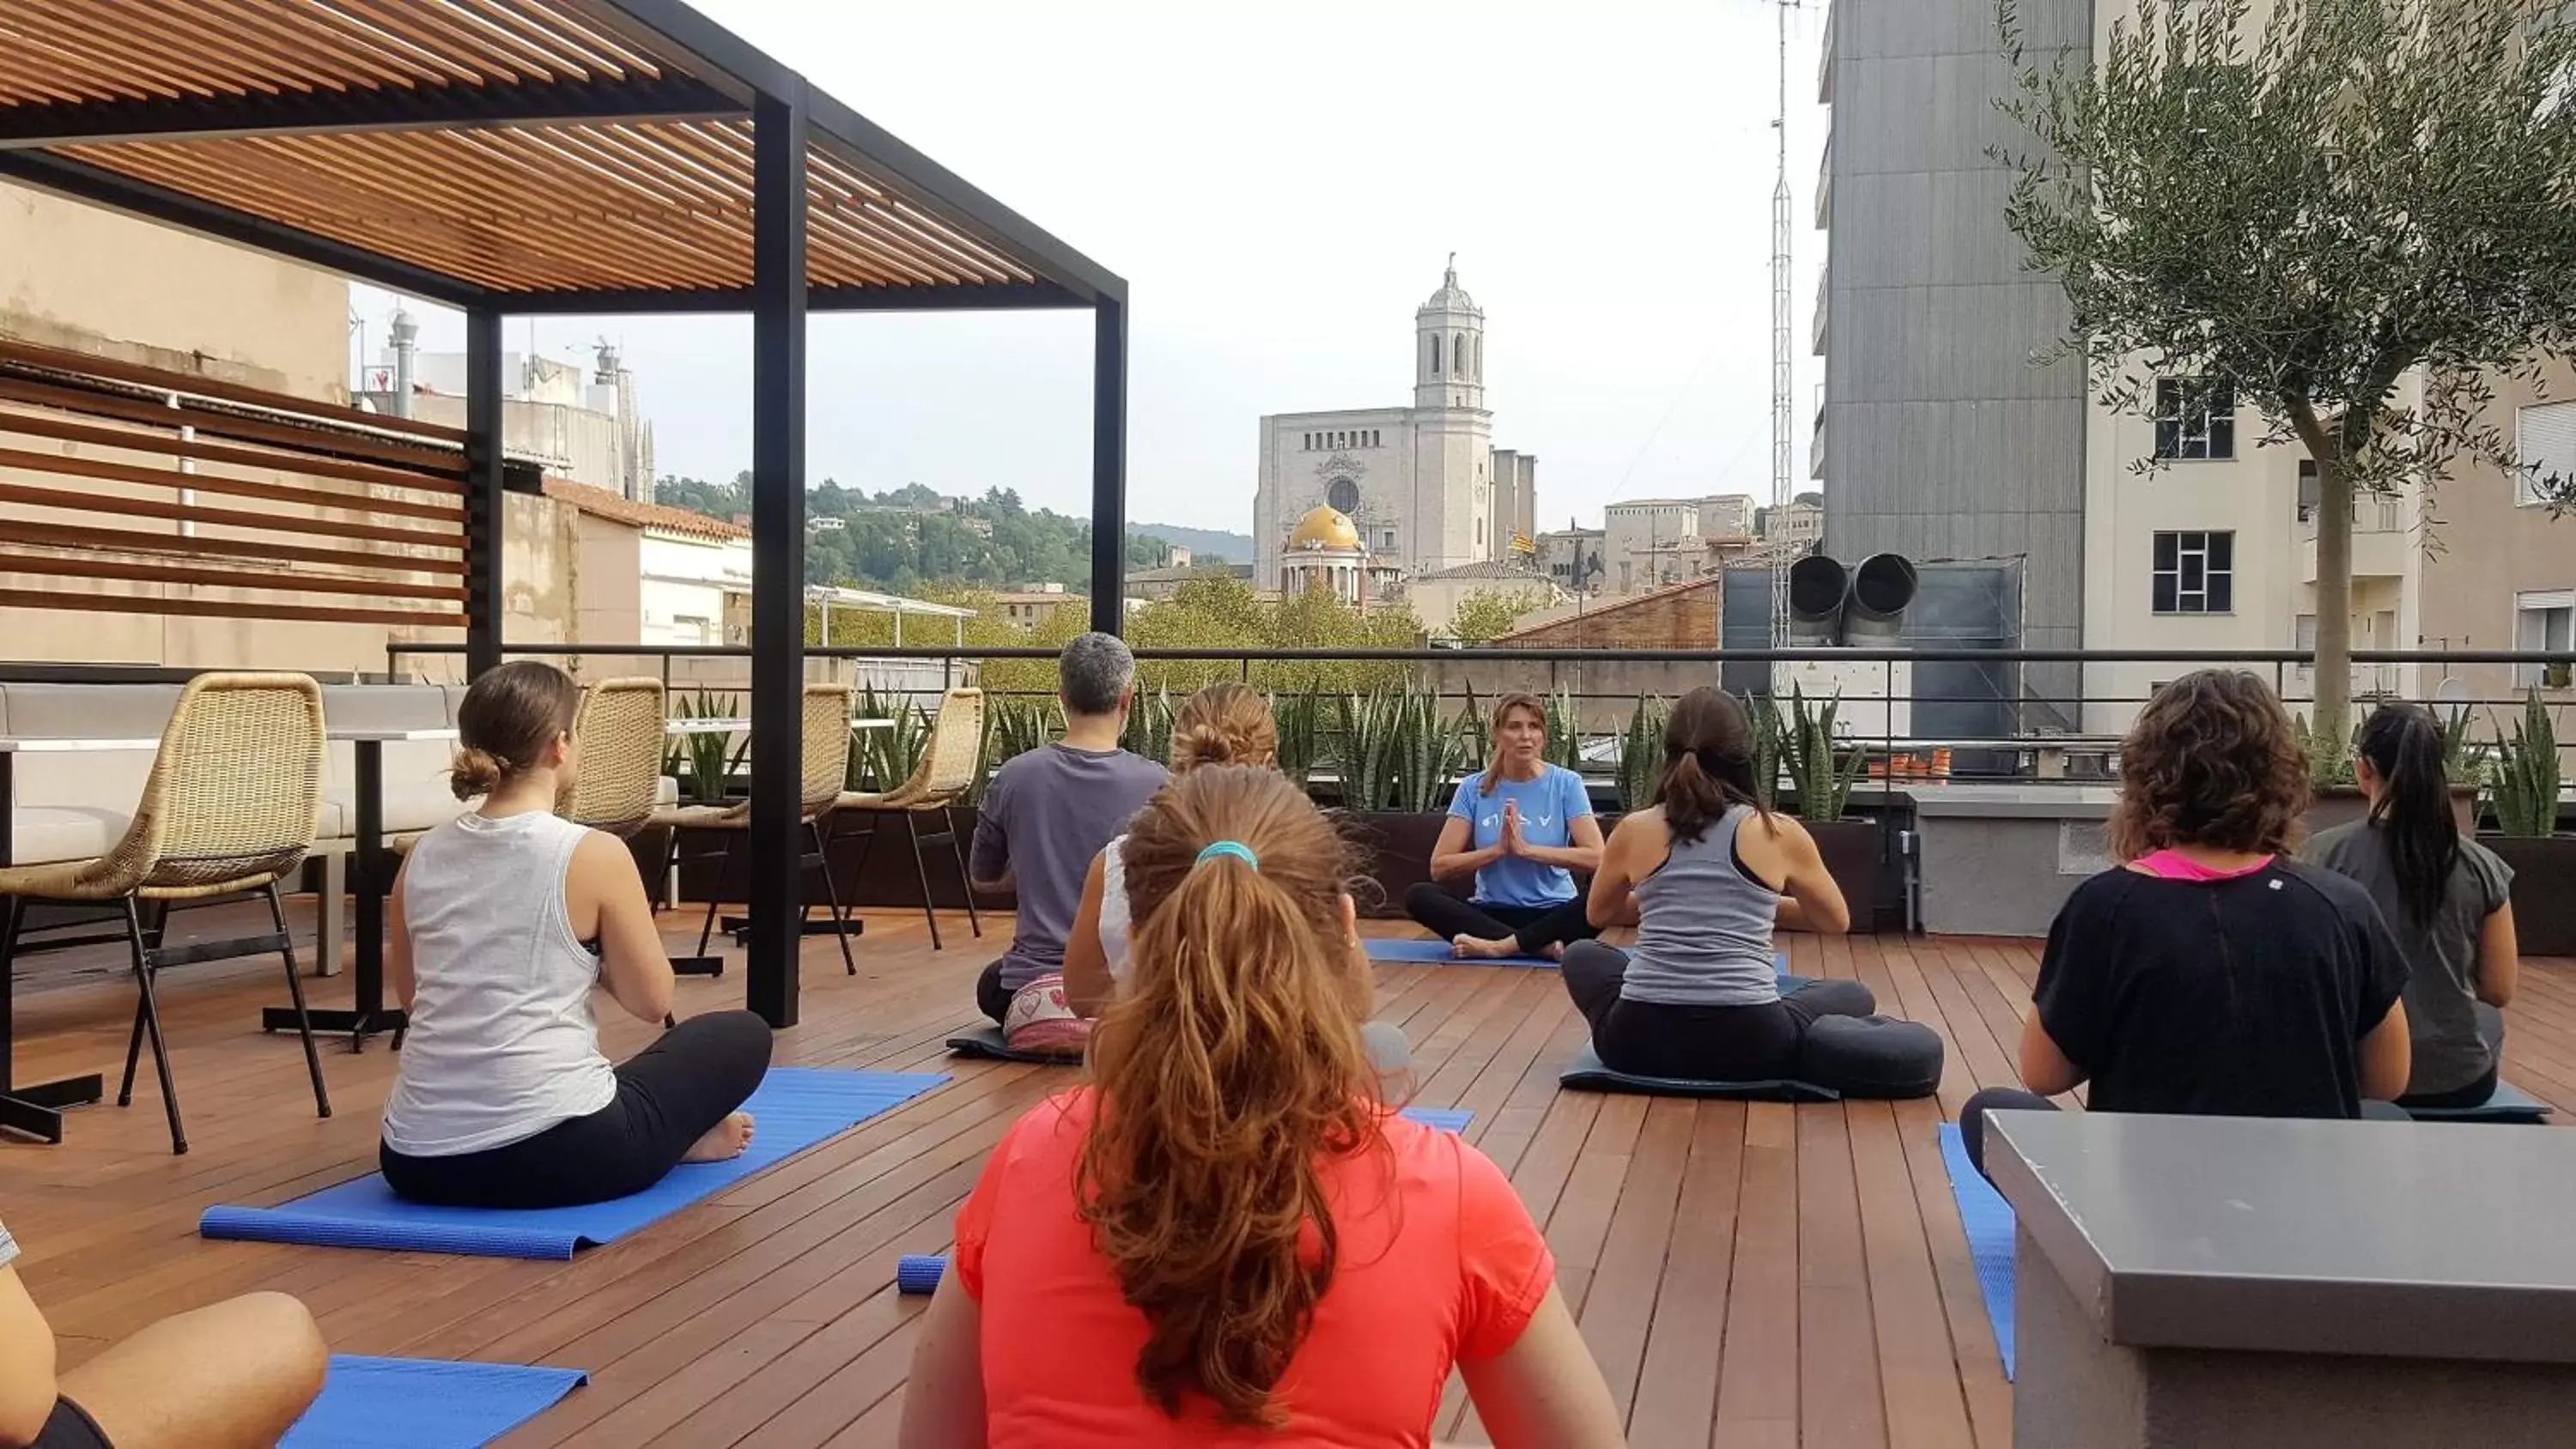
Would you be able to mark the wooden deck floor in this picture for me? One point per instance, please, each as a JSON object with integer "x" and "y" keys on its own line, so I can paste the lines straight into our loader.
{"x": 1747, "y": 1275}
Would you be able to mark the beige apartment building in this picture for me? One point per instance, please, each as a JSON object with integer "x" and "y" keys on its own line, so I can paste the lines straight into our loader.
{"x": 2501, "y": 570}
{"x": 108, "y": 286}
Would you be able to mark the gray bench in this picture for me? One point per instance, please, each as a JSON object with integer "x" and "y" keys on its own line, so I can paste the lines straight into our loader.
{"x": 2295, "y": 1285}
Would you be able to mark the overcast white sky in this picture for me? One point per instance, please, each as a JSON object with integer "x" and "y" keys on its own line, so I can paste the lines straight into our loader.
{"x": 1279, "y": 184}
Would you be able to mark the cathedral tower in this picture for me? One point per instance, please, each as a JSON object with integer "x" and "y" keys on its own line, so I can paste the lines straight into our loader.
{"x": 1449, "y": 348}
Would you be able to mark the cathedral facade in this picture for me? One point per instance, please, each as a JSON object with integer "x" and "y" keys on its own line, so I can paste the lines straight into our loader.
{"x": 1423, "y": 486}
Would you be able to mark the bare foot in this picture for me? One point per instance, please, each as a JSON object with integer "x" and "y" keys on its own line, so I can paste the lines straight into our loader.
{"x": 1555, "y": 951}
{"x": 723, "y": 1142}
{"x": 1477, "y": 947}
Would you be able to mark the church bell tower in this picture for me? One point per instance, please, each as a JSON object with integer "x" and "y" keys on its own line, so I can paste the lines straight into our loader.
{"x": 1449, "y": 348}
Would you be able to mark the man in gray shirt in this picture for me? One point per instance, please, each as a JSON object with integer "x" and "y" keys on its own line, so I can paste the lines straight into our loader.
{"x": 1048, "y": 812}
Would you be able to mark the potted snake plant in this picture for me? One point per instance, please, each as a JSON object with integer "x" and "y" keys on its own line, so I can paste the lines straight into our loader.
{"x": 2523, "y": 779}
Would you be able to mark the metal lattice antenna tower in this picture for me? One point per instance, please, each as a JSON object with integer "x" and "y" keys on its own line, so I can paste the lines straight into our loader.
{"x": 1780, "y": 382}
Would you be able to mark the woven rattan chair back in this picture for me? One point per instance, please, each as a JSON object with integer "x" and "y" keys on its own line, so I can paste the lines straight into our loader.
{"x": 234, "y": 793}
{"x": 827, "y": 744}
{"x": 619, "y": 735}
{"x": 956, "y": 748}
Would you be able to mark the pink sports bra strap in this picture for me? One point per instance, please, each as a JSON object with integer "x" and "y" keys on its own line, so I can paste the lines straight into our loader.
{"x": 2171, "y": 864}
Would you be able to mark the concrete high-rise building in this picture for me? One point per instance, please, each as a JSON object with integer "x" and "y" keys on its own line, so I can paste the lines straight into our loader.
{"x": 1938, "y": 437}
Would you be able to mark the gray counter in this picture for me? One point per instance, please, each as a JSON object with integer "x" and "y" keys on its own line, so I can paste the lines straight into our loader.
{"x": 2210, "y": 1281}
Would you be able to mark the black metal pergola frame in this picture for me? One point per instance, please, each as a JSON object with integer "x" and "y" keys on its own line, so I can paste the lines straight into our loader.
{"x": 704, "y": 73}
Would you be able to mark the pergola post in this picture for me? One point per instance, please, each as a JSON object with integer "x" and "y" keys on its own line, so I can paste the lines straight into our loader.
{"x": 778, "y": 291}
{"x": 483, "y": 460}
{"x": 1109, "y": 465}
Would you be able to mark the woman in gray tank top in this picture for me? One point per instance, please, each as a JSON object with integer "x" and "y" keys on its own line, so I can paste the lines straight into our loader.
{"x": 1706, "y": 875}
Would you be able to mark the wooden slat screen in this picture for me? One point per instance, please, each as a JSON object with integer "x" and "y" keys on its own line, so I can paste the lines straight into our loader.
{"x": 168, "y": 493}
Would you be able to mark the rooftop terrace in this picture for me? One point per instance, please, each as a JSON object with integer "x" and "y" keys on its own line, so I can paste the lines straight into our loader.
{"x": 1746, "y": 1275}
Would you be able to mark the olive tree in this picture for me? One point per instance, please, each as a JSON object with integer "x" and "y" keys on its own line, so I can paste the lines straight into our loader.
{"x": 2353, "y": 215}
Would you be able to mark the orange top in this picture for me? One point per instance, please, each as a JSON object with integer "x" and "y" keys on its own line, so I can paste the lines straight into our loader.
{"x": 1439, "y": 1262}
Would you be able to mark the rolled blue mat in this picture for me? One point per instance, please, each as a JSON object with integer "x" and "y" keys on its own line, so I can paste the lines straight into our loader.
{"x": 919, "y": 1272}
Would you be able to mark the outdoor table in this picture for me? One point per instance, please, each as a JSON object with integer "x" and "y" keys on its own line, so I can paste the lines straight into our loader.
{"x": 36, "y": 1108}
{"x": 2293, "y": 1284}
{"x": 369, "y": 881}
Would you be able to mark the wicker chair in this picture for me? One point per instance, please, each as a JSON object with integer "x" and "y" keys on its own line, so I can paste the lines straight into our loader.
{"x": 946, "y": 772}
{"x": 826, "y": 762}
{"x": 620, "y": 734}
{"x": 230, "y": 807}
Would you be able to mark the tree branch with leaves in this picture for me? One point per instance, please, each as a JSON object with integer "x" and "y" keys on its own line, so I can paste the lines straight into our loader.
{"x": 2355, "y": 216}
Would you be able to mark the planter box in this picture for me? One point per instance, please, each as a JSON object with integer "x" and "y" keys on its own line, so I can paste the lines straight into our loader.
{"x": 2544, "y": 907}
{"x": 1855, "y": 854}
{"x": 1393, "y": 850}
{"x": 887, "y": 881}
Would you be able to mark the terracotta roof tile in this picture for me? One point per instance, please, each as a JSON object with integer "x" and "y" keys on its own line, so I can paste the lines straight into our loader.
{"x": 600, "y": 503}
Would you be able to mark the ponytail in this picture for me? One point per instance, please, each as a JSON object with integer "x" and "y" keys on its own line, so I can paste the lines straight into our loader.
{"x": 1708, "y": 763}
{"x": 2404, "y": 747}
{"x": 1228, "y": 1072}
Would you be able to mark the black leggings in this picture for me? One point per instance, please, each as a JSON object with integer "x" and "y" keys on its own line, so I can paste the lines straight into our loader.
{"x": 1535, "y": 927}
{"x": 70, "y": 1427}
{"x": 2474, "y": 1093}
{"x": 668, "y": 1096}
{"x": 1702, "y": 1043}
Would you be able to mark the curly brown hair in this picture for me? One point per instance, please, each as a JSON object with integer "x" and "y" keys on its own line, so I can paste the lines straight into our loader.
{"x": 1228, "y": 1072}
{"x": 2213, "y": 760}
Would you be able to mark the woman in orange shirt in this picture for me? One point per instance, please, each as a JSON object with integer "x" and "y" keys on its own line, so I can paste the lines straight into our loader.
{"x": 1230, "y": 1239}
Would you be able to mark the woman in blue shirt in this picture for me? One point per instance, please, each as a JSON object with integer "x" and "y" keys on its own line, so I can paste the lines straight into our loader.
{"x": 1524, "y": 829}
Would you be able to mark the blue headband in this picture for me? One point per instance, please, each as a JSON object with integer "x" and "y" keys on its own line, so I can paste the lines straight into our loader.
{"x": 1235, "y": 848}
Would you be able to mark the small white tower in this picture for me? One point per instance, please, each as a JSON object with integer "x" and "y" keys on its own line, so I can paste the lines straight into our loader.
{"x": 1449, "y": 348}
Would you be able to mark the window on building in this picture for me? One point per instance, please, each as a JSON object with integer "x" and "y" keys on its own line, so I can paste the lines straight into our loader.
{"x": 2303, "y": 637}
{"x": 2544, "y": 621}
{"x": 1458, "y": 356}
{"x": 1343, "y": 495}
{"x": 1480, "y": 359}
{"x": 2195, "y": 419}
{"x": 1435, "y": 354}
{"x": 2195, "y": 572}
{"x": 2307, "y": 489}
{"x": 2544, "y": 447}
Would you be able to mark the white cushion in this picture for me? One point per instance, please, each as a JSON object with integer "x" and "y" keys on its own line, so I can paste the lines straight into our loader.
{"x": 666, "y": 792}
{"x": 52, "y": 834}
{"x": 408, "y": 805}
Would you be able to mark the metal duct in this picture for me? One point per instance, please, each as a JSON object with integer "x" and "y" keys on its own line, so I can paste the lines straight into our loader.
{"x": 1881, "y": 590}
{"x": 1816, "y": 588}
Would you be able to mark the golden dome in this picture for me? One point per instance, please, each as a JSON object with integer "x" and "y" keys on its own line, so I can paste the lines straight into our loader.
{"x": 1325, "y": 528}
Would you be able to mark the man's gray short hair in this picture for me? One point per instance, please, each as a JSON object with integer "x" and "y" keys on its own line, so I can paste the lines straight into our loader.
{"x": 1093, "y": 671}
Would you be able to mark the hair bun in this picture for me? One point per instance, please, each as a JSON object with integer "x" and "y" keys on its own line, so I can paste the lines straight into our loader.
{"x": 1205, "y": 744}
{"x": 474, "y": 773}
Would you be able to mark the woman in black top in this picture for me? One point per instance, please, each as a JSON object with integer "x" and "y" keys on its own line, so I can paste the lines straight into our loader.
{"x": 2211, "y": 975}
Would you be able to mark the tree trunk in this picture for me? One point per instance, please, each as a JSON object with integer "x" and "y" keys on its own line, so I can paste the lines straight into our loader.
{"x": 2333, "y": 673}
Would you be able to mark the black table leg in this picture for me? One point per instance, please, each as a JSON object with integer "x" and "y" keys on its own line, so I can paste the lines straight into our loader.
{"x": 369, "y": 881}
{"x": 37, "y": 1108}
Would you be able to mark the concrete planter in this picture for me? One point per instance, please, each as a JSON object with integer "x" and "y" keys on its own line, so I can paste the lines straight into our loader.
{"x": 2544, "y": 908}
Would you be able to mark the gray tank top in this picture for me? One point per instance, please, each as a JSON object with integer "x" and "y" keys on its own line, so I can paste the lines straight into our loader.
{"x": 1704, "y": 927}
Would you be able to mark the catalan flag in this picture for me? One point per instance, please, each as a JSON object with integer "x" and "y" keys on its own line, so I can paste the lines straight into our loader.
{"x": 1522, "y": 544}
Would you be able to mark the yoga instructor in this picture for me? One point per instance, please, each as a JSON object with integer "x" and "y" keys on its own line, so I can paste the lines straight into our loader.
{"x": 1524, "y": 829}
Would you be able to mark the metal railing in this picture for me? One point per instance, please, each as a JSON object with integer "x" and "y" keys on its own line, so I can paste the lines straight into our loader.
{"x": 2089, "y": 701}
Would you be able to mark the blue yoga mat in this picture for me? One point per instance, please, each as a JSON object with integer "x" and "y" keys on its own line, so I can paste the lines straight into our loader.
{"x": 406, "y": 1403}
{"x": 795, "y": 1108}
{"x": 1989, "y": 1223}
{"x": 1416, "y": 951}
{"x": 1444, "y": 1119}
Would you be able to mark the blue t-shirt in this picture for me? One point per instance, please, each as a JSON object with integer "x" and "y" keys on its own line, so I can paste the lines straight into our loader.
{"x": 1549, "y": 805}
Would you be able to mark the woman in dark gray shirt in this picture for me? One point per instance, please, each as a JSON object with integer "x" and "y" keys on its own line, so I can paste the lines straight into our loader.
{"x": 2446, "y": 899}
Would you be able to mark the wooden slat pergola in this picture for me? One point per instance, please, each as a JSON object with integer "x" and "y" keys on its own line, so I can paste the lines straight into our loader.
{"x": 581, "y": 157}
